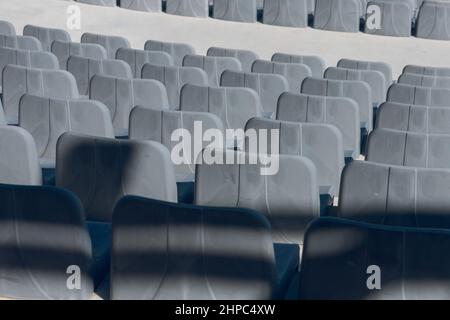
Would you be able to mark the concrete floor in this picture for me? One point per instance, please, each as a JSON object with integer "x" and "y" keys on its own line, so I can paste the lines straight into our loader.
{"x": 204, "y": 33}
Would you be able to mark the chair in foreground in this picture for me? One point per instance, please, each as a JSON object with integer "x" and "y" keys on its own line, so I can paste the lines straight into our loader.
{"x": 349, "y": 260}
{"x": 169, "y": 251}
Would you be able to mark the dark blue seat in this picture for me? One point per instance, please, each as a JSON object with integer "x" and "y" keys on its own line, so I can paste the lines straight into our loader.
{"x": 43, "y": 241}
{"x": 165, "y": 250}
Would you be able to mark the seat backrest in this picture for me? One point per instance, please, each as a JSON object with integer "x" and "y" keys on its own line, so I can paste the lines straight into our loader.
{"x": 47, "y": 119}
{"x": 409, "y": 149}
{"x": 64, "y": 50}
{"x": 121, "y": 95}
{"x": 414, "y": 118}
{"x": 374, "y": 79}
{"x": 26, "y": 58}
{"x": 268, "y": 86}
{"x": 294, "y": 73}
{"x": 214, "y": 253}
{"x": 45, "y": 242}
{"x": 18, "y": 80}
{"x": 424, "y": 81}
{"x": 7, "y": 28}
{"x": 321, "y": 143}
{"x": 174, "y": 78}
{"x": 403, "y": 93}
{"x": 100, "y": 171}
{"x": 395, "y": 195}
{"x": 142, "y": 5}
{"x": 383, "y": 67}
{"x": 213, "y": 66}
{"x": 235, "y": 10}
{"x": 19, "y": 163}
{"x": 138, "y": 58}
{"x": 337, "y": 15}
{"x": 246, "y": 57}
{"x": 286, "y": 13}
{"x": 20, "y": 42}
{"x": 289, "y": 198}
{"x": 103, "y": 3}
{"x": 356, "y": 90}
{"x": 46, "y": 35}
{"x": 190, "y": 8}
{"x": 340, "y": 112}
{"x": 110, "y": 43}
{"x": 234, "y": 106}
{"x": 315, "y": 63}
{"x": 395, "y": 18}
{"x": 176, "y": 130}
{"x": 176, "y": 50}
{"x": 432, "y": 22}
{"x": 343, "y": 254}
{"x": 83, "y": 69}
{"x": 427, "y": 71}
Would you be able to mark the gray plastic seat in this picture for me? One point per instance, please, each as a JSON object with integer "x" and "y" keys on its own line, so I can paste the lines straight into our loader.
{"x": 427, "y": 71}
{"x": 433, "y": 21}
{"x": 83, "y": 69}
{"x": 424, "y": 81}
{"x": 7, "y": 28}
{"x": 268, "y": 86}
{"x": 337, "y": 15}
{"x": 176, "y": 50}
{"x": 46, "y": 35}
{"x": 235, "y": 10}
{"x": 64, "y": 50}
{"x": 374, "y": 79}
{"x": 159, "y": 126}
{"x": 190, "y": 8}
{"x": 213, "y": 66}
{"x": 142, "y": 5}
{"x": 395, "y": 18}
{"x": 101, "y": 171}
{"x": 288, "y": 13}
{"x": 289, "y": 199}
{"x": 246, "y": 57}
{"x": 315, "y": 63}
{"x": 411, "y": 149}
{"x": 19, "y": 163}
{"x": 166, "y": 251}
{"x": 424, "y": 96}
{"x": 383, "y": 67}
{"x": 47, "y": 119}
{"x": 18, "y": 80}
{"x": 340, "y": 112}
{"x": 174, "y": 78}
{"x": 414, "y": 118}
{"x": 103, "y": 3}
{"x": 294, "y": 73}
{"x": 110, "y": 43}
{"x": 121, "y": 95}
{"x": 20, "y": 42}
{"x": 44, "y": 241}
{"x": 234, "y": 106}
{"x": 321, "y": 143}
{"x": 29, "y": 59}
{"x": 395, "y": 195}
{"x": 137, "y": 58}
{"x": 344, "y": 254}
{"x": 356, "y": 90}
